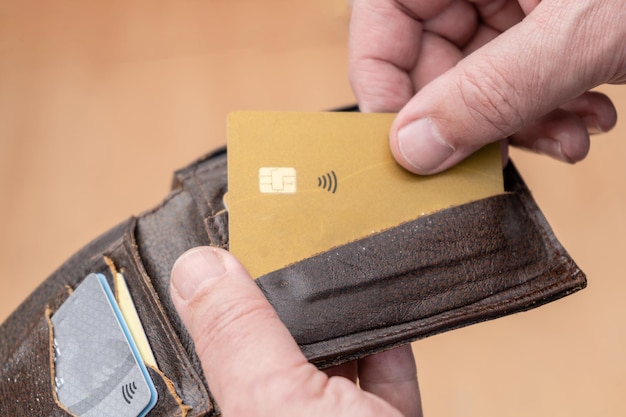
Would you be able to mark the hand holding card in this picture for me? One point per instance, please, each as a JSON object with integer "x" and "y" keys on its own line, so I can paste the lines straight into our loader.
{"x": 303, "y": 183}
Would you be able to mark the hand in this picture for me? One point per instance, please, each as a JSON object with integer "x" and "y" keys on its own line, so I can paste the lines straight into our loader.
{"x": 253, "y": 365}
{"x": 464, "y": 73}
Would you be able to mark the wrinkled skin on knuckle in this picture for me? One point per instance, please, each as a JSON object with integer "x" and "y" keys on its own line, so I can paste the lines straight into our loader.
{"x": 289, "y": 389}
{"x": 607, "y": 38}
{"x": 341, "y": 397}
{"x": 490, "y": 98}
{"x": 381, "y": 91}
{"x": 221, "y": 322}
{"x": 292, "y": 391}
{"x": 590, "y": 48}
{"x": 298, "y": 390}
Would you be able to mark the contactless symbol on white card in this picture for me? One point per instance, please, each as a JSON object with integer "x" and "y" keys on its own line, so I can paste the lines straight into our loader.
{"x": 277, "y": 180}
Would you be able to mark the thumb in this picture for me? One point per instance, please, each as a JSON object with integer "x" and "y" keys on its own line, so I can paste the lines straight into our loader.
{"x": 238, "y": 337}
{"x": 523, "y": 74}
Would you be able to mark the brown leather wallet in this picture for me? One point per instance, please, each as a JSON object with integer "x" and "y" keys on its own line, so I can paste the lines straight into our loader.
{"x": 453, "y": 268}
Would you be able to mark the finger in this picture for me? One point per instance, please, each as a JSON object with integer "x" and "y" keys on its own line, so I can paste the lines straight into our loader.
{"x": 456, "y": 23}
{"x": 482, "y": 35}
{"x": 241, "y": 342}
{"x": 347, "y": 370}
{"x": 528, "y": 5}
{"x": 499, "y": 14}
{"x": 495, "y": 91}
{"x": 560, "y": 134}
{"x": 564, "y": 133}
{"x": 391, "y": 375}
{"x": 504, "y": 151}
{"x": 595, "y": 109}
{"x": 437, "y": 55}
{"x": 384, "y": 46}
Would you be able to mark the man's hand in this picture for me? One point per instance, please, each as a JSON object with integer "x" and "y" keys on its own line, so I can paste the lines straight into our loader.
{"x": 464, "y": 73}
{"x": 253, "y": 365}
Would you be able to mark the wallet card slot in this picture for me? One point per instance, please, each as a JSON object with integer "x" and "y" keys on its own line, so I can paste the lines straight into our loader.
{"x": 478, "y": 255}
{"x": 474, "y": 262}
{"x": 183, "y": 389}
{"x": 27, "y": 372}
{"x": 424, "y": 267}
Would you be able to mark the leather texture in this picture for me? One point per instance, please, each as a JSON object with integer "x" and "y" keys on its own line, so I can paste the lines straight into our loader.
{"x": 450, "y": 269}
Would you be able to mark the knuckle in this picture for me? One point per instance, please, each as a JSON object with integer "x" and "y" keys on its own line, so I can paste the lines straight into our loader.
{"x": 491, "y": 98}
{"x": 295, "y": 390}
{"x": 220, "y": 326}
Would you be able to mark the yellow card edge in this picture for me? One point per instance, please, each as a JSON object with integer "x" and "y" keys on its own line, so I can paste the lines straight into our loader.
{"x": 129, "y": 312}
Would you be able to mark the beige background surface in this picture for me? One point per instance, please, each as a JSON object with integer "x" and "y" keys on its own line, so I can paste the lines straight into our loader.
{"x": 101, "y": 101}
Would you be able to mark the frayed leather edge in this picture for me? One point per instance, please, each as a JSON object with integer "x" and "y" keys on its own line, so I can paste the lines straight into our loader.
{"x": 183, "y": 173}
{"x": 113, "y": 271}
{"x": 184, "y": 408}
{"x": 55, "y": 397}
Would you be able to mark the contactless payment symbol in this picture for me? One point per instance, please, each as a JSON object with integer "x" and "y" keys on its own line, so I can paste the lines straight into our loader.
{"x": 277, "y": 180}
{"x": 328, "y": 182}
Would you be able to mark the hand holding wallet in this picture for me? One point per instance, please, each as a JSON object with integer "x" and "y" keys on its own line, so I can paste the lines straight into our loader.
{"x": 458, "y": 266}
{"x": 245, "y": 348}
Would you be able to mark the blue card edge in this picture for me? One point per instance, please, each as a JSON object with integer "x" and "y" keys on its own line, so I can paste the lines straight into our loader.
{"x": 153, "y": 392}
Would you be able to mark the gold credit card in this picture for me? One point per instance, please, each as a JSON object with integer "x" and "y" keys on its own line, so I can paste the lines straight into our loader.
{"x": 302, "y": 183}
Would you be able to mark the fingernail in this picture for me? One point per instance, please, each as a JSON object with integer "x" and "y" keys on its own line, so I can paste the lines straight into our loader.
{"x": 422, "y": 146}
{"x": 551, "y": 148}
{"x": 593, "y": 125}
{"x": 195, "y": 267}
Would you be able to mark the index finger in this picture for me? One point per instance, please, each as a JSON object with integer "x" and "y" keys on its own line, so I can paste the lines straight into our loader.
{"x": 384, "y": 46}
